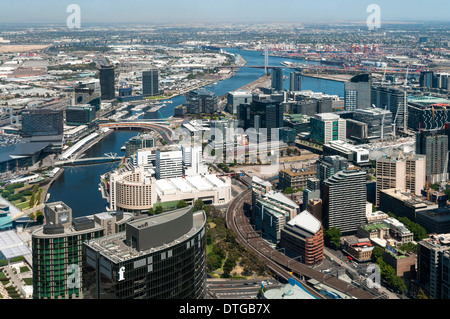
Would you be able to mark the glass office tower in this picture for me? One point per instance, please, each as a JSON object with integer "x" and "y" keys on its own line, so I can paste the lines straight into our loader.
{"x": 158, "y": 257}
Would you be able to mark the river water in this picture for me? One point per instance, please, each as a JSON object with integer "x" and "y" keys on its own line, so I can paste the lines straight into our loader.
{"x": 78, "y": 186}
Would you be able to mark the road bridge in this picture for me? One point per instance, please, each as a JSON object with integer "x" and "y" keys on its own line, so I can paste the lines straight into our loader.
{"x": 161, "y": 128}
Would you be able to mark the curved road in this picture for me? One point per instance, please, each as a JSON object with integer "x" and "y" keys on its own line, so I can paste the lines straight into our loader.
{"x": 276, "y": 261}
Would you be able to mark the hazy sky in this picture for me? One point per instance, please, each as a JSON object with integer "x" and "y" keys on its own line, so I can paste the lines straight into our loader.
{"x": 181, "y": 11}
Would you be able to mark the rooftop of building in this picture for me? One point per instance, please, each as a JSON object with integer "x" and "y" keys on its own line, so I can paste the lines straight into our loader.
{"x": 307, "y": 221}
{"x": 441, "y": 241}
{"x": 190, "y": 184}
{"x": 327, "y": 116}
{"x": 114, "y": 247}
{"x": 344, "y": 146}
{"x": 409, "y": 198}
{"x": 299, "y": 172}
{"x": 21, "y": 150}
{"x": 395, "y": 155}
{"x": 440, "y": 214}
{"x": 288, "y": 291}
{"x": 71, "y": 230}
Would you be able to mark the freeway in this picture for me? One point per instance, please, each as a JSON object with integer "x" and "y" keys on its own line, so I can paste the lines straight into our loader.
{"x": 278, "y": 262}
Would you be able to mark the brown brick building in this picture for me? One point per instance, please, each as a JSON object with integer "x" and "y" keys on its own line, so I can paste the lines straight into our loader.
{"x": 303, "y": 237}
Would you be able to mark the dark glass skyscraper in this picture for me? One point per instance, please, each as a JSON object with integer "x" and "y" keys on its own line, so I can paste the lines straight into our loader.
{"x": 158, "y": 257}
{"x": 357, "y": 92}
{"x": 277, "y": 79}
{"x": 107, "y": 82}
{"x": 150, "y": 82}
{"x": 295, "y": 81}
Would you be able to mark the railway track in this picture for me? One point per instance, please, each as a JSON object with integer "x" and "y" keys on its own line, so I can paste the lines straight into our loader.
{"x": 277, "y": 261}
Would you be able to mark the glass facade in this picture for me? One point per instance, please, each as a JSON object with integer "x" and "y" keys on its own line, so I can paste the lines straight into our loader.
{"x": 175, "y": 272}
{"x": 42, "y": 122}
{"x": 51, "y": 259}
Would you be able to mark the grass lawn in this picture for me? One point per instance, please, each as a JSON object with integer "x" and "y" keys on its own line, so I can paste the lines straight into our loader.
{"x": 24, "y": 269}
{"x": 28, "y": 281}
{"x": 2, "y": 275}
{"x": 209, "y": 249}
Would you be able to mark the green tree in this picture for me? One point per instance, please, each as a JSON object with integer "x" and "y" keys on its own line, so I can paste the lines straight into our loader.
{"x": 288, "y": 190}
{"x": 39, "y": 217}
{"x": 377, "y": 252}
{"x": 213, "y": 262}
{"x": 198, "y": 205}
{"x": 182, "y": 204}
{"x": 159, "y": 210}
{"x": 32, "y": 200}
{"x": 332, "y": 237}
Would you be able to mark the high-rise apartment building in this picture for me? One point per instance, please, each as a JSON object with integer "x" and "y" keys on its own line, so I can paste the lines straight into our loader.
{"x": 400, "y": 170}
{"x": 157, "y": 257}
{"x": 150, "y": 82}
{"x": 57, "y": 249}
{"x": 201, "y": 101}
{"x": 433, "y": 266}
{"x": 295, "y": 81}
{"x": 344, "y": 201}
{"x": 277, "y": 79}
{"x": 426, "y": 79}
{"x": 326, "y": 127}
{"x": 107, "y": 82}
{"x": 272, "y": 211}
{"x": 357, "y": 92}
{"x": 434, "y": 145}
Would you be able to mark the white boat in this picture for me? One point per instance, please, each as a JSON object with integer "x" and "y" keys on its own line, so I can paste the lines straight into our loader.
{"x": 123, "y": 148}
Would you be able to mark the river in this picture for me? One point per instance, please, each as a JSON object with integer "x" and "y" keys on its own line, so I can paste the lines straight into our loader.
{"x": 78, "y": 186}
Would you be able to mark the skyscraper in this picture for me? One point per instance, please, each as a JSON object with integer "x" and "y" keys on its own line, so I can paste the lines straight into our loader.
{"x": 344, "y": 201}
{"x": 201, "y": 101}
{"x": 327, "y": 166}
{"x": 393, "y": 100}
{"x": 434, "y": 144}
{"x": 157, "y": 257}
{"x": 295, "y": 81}
{"x": 261, "y": 114}
{"x": 107, "y": 82}
{"x": 57, "y": 249}
{"x": 357, "y": 92}
{"x": 277, "y": 79}
{"x": 150, "y": 82}
{"x": 426, "y": 79}
{"x": 236, "y": 98}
